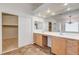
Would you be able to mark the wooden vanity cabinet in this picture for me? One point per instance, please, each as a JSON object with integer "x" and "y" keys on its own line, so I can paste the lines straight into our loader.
{"x": 64, "y": 46}
{"x": 72, "y": 47}
{"x": 40, "y": 39}
{"x": 58, "y": 46}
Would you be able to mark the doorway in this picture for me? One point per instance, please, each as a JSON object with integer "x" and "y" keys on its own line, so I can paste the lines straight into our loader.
{"x": 9, "y": 32}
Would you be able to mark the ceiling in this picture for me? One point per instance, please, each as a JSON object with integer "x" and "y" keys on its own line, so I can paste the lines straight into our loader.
{"x": 22, "y": 7}
{"x": 48, "y": 10}
{"x": 44, "y": 10}
{"x": 66, "y": 16}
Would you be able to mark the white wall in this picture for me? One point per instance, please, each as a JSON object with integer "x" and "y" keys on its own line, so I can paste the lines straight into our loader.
{"x": 25, "y": 29}
{"x": 0, "y": 33}
{"x": 16, "y": 7}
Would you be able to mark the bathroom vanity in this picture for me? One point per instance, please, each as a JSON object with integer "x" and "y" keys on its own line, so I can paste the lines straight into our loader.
{"x": 61, "y": 44}
{"x": 64, "y": 36}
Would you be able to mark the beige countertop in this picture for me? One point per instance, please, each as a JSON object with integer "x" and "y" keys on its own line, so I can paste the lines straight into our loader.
{"x": 64, "y": 35}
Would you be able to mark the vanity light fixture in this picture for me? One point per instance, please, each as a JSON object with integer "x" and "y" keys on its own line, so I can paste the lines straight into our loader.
{"x": 65, "y": 4}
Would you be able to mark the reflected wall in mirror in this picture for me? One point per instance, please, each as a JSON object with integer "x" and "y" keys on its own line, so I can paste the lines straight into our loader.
{"x": 38, "y": 25}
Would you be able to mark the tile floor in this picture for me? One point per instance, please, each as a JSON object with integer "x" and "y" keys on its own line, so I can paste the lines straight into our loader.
{"x": 9, "y": 44}
{"x": 30, "y": 50}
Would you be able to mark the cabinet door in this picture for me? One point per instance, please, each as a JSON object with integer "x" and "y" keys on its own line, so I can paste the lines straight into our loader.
{"x": 58, "y": 46}
{"x": 72, "y": 47}
{"x": 39, "y": 40}
{"x": 44, "y": 41}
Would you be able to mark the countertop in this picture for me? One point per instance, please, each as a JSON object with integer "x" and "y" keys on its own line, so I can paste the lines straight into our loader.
{"x": 58, "y": 34}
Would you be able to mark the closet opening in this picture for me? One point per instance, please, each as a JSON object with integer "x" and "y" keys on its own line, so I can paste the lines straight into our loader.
{"x": 9, "y": 32}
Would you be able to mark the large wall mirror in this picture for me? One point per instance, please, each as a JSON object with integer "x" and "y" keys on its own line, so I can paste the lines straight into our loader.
{"x": 38, "y": 25}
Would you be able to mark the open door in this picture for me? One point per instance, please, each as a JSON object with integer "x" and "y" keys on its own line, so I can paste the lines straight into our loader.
{"x": 9, "y": 32}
